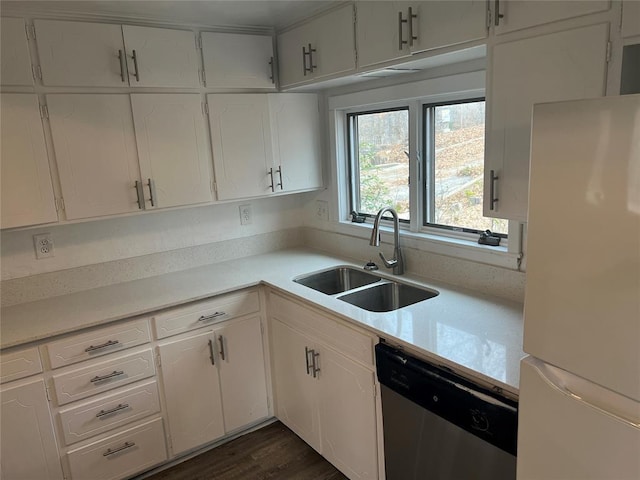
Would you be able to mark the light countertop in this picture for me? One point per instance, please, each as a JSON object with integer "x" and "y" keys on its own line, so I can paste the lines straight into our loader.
{"x": 475, "y": 334}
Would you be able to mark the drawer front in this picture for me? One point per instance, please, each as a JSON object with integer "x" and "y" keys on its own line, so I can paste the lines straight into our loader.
{"x": 195, "y": 315}
{"x": 109, "y": 412}
{"x": 19, "y": 364}
{"x": 328, "y": 330}
{"x": 98, "y": 342}
{"x": 120, "y": 455}
{"x": 98, "y": 377}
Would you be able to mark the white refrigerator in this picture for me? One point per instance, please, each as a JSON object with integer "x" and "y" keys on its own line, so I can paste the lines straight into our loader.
{"x": 579, "y": 411}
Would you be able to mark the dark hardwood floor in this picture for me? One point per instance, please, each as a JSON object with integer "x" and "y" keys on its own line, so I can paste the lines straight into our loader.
{"x": 273, "y": 452}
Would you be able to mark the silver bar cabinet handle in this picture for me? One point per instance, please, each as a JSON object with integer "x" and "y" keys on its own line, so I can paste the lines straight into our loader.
{"x": 410, "y": 18}
{"x": 312, "y": 66}
{"x": 100, "y": 378}
{"x": 270, "y": 173}
{"x": 272, "y": 77}
{"x": 316, "y": 369}
{"x": 221, "y": 340}
{"x": 119, "y": 449}
{"x": 211, "y": 355}
{"x": 206, "y": 318}
{"x": 140, "y": 194}
{"x": 152, "y": 192}
{"x": 306, "y": 358}
{"x": 122, "y": 65}
{"x": 304, "y": 61}
{"x": 136, "y": 72}
{"x": 492, "y": 189}
{"x": 121, "y": 406}
{"x": 497, "y": 16}
{"x": 279, "y": 171}
{"x": 401, "y": 42}
{"x": 109, "y": 343}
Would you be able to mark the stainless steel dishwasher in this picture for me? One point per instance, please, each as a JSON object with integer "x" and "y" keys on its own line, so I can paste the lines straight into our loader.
{"x": 440, "y": 426}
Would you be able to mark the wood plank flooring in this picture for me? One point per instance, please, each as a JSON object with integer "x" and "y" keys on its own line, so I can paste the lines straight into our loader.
{"x": 273, "y": 452}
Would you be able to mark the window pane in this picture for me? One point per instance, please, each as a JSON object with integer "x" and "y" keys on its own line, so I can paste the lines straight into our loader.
{"x": 459, "y": 167}
{"x": 382, "y": 164}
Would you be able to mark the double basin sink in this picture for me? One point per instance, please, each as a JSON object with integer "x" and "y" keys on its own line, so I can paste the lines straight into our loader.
{"x": 365, "y": 290}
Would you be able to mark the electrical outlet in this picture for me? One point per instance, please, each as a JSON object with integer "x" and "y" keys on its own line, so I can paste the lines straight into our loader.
{"x": 322, "y": 210}
{"x": 43, "y": 244}
{"x": 245, "y": 214}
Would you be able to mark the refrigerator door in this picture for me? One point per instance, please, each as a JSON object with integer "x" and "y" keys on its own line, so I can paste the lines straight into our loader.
{"x": 569, "y": 428}
{"x": 582, "y": 295}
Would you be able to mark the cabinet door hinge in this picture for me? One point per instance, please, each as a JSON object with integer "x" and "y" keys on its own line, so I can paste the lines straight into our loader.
{"x": 355, "y": 15}
{"x": 214, "y": 187}
{"x": 44, "y": 111}
{"x": 608, "y": 57}
{"x": 199, "y": 41}
{"x": 158, "y": 361}
{"x": 261, "y": 329}
{"x": 203, "y": 78}
{"x": 488, "y": 16}
{"x": 59, "y": 204}
{"x": 46, "y": 389}
{"x": 205, "y": 108}
{"x": 31, "y": 31}
{"x": 36, "y": 71}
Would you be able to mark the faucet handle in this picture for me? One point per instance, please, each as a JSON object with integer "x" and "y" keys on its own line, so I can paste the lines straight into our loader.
{"x": 388, "y": 263}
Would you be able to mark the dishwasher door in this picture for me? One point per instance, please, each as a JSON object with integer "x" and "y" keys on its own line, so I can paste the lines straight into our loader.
{"x": 439, "y": 426}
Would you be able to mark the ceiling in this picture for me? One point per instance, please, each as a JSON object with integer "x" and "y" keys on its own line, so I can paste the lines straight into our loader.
{"x": 269, "y": 14}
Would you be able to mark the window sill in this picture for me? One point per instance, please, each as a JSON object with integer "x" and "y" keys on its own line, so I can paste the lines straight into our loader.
{"x": 438, "y": 244}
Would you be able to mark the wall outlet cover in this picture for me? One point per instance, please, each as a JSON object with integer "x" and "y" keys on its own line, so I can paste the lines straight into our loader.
{"x": 43, "y": 243}
{"x": 246, "y": 215}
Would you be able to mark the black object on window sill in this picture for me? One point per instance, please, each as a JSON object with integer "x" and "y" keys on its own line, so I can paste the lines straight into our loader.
{"x": 489, "y": 238}
{"x": 357, "y": 218}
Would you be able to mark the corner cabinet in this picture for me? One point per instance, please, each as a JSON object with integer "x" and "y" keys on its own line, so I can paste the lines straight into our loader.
{"x": 567, "y": 65}
{"x": 320, "y": 48}
{"x": 265, "y": 144}
{"x": 325, "y": 385}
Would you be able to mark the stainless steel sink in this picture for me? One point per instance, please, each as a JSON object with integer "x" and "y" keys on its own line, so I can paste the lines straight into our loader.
{"x": 337, "y": 280}
{"x": 387, "y": 296}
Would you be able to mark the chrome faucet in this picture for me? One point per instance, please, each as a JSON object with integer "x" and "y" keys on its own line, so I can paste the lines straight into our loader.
{"x": 397, "y": 262}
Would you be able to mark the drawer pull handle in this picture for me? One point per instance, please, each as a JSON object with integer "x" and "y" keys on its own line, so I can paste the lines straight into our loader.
{"x": 211, "y": 354}
{"x": 120, "y": 406}
{"x": 306, "y": 357}
{"x": 115, "y": 373}
{"x": 92, "y": 348}
{"x": 119, "y": 449}
{"x": 316, "y": 369}
{"x": 221, "y": 340}
{"x": 205, "y": 318}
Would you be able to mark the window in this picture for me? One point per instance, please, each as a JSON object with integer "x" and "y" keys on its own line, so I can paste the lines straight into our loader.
{"x": 448, "y": 194}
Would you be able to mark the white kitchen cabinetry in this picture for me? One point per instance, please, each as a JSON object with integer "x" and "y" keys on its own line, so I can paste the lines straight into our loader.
{"x": 265, "y": 143}
{"x": 391, "y": 30}
{"x": 109, "y": 55}
{"x": 309, "y": 371}
{"x": 630, "y": 18}
{"x": 322, "y": 47}
{"x": 567, "y": 65}
{"x": 27, "y": 191}
{"x": 511, "y": 15}
{"x": 14, "y": 53}
{"x": 171, "y": 135}
{"x": 28, "y": 445}
{"x": 234, "y": 60}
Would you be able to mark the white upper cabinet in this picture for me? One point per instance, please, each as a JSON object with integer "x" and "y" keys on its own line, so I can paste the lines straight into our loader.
{"x": 630, "y": 18}
{"x": 233, "y": 60}
{"x": 295, "y": 121}
{"x": 160, "y": 57}
{"x": 14, "y": 53}
{"x": 241, "y": 140}
{"x": 27, "y": 192}
{"x": 568, "y": 65}
{"x": 322, "y": 47}
{"x": 391, "y": 30}
{"x": 518, "y": 14}
{"x": 171, "y": 135}
{"x": 95, "y": 55}
{"x": 95, "y": 148}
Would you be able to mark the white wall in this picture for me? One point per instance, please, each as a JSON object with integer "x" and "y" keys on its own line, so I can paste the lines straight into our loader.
{"x": 126, "y": 237}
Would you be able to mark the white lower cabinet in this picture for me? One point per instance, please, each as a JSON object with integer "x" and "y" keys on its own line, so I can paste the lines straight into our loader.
{"x": 27, "y": 440}
{"x": 324, "y": 396}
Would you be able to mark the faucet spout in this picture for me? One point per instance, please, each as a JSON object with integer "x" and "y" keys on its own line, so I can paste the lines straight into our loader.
{"x": 397, "y": 262}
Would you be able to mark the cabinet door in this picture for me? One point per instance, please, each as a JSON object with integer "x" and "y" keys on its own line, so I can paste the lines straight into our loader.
{"x": 233, "y": 60}
{"x": 378, "y": 32}
{"x": 192, "y": 391}
{"x": 28, "y": 445}
{"x": 334, "y": 43}
{"x": 242, "y": 373}
{"x": 27, "y": 194}
{"x": 630, "y": 18}
{"x": 295, "y": 388}
{"x": 80, "y": 54}
{"x": 519, "y": 14}
{"x": 173, "y": 147}
{"x": 444, "y": 23}
{"x": 95, "y": 149}
{"x": 291, "y": 61}
{"x": 569, "y": 65}
{"x": 348, "y": 419}
{"x": 163, "y": 57}
{"x": 241, "y": 141}
{"x": 14, "y": 53}
{"x": 295, "y": 121}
